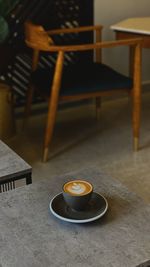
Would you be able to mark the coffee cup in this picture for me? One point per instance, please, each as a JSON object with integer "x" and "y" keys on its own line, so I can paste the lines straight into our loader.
{"x": 77, "y": 194}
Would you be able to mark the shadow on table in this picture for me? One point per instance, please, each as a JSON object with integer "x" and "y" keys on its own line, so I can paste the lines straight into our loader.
{"x": 144, "y": 264}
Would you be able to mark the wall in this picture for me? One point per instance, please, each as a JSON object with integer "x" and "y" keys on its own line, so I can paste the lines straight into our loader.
{"x": 108, "y": 12}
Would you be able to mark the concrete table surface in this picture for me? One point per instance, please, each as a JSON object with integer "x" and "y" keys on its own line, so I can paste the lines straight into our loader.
{"x": 11, "y": 164}
{"x": 30, "y": 236}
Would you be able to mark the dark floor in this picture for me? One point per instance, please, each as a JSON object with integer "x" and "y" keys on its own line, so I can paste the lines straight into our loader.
{"x": 79, "y": 142}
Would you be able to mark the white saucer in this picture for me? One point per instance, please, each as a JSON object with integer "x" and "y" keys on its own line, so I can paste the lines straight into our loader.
{"x": 95, "y": 209}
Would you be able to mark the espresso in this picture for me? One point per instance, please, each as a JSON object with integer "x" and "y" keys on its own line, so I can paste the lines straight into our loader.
{"x": 77, "y": 188}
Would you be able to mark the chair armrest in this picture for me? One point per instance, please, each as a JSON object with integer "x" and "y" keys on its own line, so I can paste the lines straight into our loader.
{"x": 85, "y": 47}
{"x": 37, "y": 47}
{"x": 75, "y": 29}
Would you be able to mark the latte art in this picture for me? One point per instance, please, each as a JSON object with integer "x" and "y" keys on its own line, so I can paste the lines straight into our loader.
{"x": 78, "y": 187}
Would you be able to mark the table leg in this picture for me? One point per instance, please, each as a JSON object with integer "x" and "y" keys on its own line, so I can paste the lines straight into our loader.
{"x": 29, "y": 178}
{"x": 131, "y": 61}
{"x": 136, "y": 95}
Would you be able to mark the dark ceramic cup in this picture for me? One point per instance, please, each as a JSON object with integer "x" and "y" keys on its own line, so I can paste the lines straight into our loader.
{"x": 77, "y": 194}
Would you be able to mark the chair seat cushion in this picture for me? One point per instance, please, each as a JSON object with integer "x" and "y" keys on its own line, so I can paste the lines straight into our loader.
{"x": 82, "y": 78}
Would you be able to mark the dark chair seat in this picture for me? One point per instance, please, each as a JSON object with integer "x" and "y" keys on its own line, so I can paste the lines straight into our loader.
{"x": 82, "y": 78}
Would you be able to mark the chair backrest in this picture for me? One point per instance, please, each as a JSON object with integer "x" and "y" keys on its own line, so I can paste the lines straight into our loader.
{"x": 36, "y": 37}
{"x": 52, "y": 14}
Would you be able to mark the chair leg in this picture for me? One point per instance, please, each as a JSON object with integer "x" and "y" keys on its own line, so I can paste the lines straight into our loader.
{"x": 98, "y": 107}
{"x": 28, "y": 105}
{"x": 51, "y": 118}
{"x": 53, "y": 103}
{"x": 136, "y": 122}
{"x": 137, "y": 96}
{"x": 136, "y": 143}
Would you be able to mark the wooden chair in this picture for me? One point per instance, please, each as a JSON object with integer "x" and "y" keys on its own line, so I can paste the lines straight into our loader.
{"x": 80, "y": 80}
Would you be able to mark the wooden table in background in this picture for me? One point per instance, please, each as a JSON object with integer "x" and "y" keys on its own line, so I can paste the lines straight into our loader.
{"x": 134, "y": 28}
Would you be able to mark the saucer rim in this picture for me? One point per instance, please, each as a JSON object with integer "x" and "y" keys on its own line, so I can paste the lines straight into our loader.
{"x": 78, "y": 220}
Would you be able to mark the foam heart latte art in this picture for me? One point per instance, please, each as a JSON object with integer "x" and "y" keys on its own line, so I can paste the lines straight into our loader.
{"x": 77, "y": 187}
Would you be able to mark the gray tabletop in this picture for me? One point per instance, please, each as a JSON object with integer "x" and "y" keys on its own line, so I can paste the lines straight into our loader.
{"x": 31, "y": 236}
{"x": 11, "y": 164}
